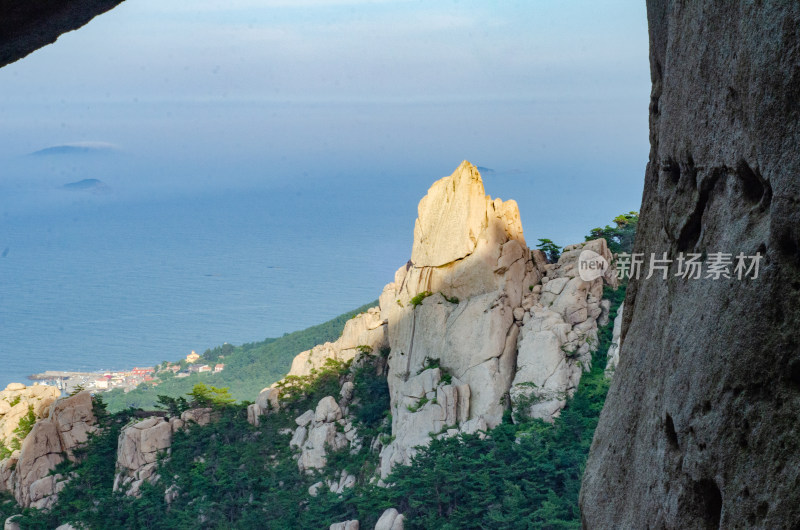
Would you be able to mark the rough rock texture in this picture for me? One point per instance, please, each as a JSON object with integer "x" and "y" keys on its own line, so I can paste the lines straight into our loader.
{"x": 467, "y": 323}
{"x": 346, "y": 525}
{"x": 40, "y": 397}
{"x": 425, "y": 405}
{"x": 700, "y": 427}
{"x": 391, "y": 520}
{"x": 27, "y": 473}
{"x": 266, "y": 402}
{"x": 463, "y": 307}
{"x": 138, "y": 449}
{"x": 616, "y": 343}
{"x": 364, "y": 332}
{"x": 319, "y": 430}
{"x": 27, "y": 26}
{"x": 559, "y": 334}
{"x": 201, "y": 416}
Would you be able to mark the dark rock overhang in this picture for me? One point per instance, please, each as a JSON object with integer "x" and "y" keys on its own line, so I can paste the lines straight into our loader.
{"x": 27, "y": 25}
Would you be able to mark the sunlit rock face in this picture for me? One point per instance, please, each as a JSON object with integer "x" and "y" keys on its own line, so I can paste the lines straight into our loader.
{"x": 559, "y": 333}
{"x": 17, "y": 400}
{"x": 364, "y": 332}
{"x": 460, "y": 310}
{"x": 700, "y": 427}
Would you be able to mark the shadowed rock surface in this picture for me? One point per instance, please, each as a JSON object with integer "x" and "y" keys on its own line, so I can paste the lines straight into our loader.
{"x": 700, "y": 427}
{"x": 27, "y": 26}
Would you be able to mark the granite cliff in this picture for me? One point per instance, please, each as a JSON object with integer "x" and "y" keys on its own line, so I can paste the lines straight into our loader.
{"x": 700, "y": 427}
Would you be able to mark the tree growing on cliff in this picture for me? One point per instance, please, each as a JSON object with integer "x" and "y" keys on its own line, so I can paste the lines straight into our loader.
{"x": 619, "y": 238}
{"x": 550, "y": 249}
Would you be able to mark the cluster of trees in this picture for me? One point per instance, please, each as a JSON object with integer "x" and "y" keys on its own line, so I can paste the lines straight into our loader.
{"x": 619, "y": 237}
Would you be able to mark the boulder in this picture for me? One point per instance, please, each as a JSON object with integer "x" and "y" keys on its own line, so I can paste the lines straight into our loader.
{"x": 319, "y": 431}
{"x": 314, "y": 450}
{"x": 305, "y": 418}
{"x": 346, "y": 393}
{"x": 268, "y": 399}
{"x": 12, "y": 523}
{"x": 390, "y": 520}
{"x": 266, "y": 403}
{"x": 327, "y": 410}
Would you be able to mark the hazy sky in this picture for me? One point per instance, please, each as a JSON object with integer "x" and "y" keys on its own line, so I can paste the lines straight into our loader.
{"x": 379, "y": 95}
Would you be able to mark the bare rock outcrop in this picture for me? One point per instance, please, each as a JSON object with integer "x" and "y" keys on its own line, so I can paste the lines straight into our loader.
{"x": 391, "y": 520}
{"x": 15, "y": 403}
{"x": 559, "y": 333}
{"x": 319, "y": 431}
{"x": 345, "y": 525}
{"x": 268, "y": 401}
{"x": 138, "y": 449}
{"x": 700, "y": 427}
{"x": 453, "y": 304}
{"x": 471, "y": 298}
{"x": 27, "y": 473}
{"x": 366, "y": 332}
{"x": 199, "y": 416}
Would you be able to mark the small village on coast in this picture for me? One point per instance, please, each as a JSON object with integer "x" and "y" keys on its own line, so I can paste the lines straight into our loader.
{"x": 126, "y": 380}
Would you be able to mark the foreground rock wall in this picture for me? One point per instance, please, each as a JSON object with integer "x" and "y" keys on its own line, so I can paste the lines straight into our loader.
{"x": 700, "y": 427}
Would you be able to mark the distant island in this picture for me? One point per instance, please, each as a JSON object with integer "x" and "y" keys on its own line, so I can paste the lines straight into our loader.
{"x": 77, "y": 148}
{"x": 94, "y": 185}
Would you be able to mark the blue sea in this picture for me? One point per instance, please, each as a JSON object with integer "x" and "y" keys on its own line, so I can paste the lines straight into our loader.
{"x": 102, "y": 284}
{"x": 183, "y": 243}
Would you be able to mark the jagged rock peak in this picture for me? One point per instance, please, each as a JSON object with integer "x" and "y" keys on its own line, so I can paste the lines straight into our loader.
{"x": 452, "y": 216}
